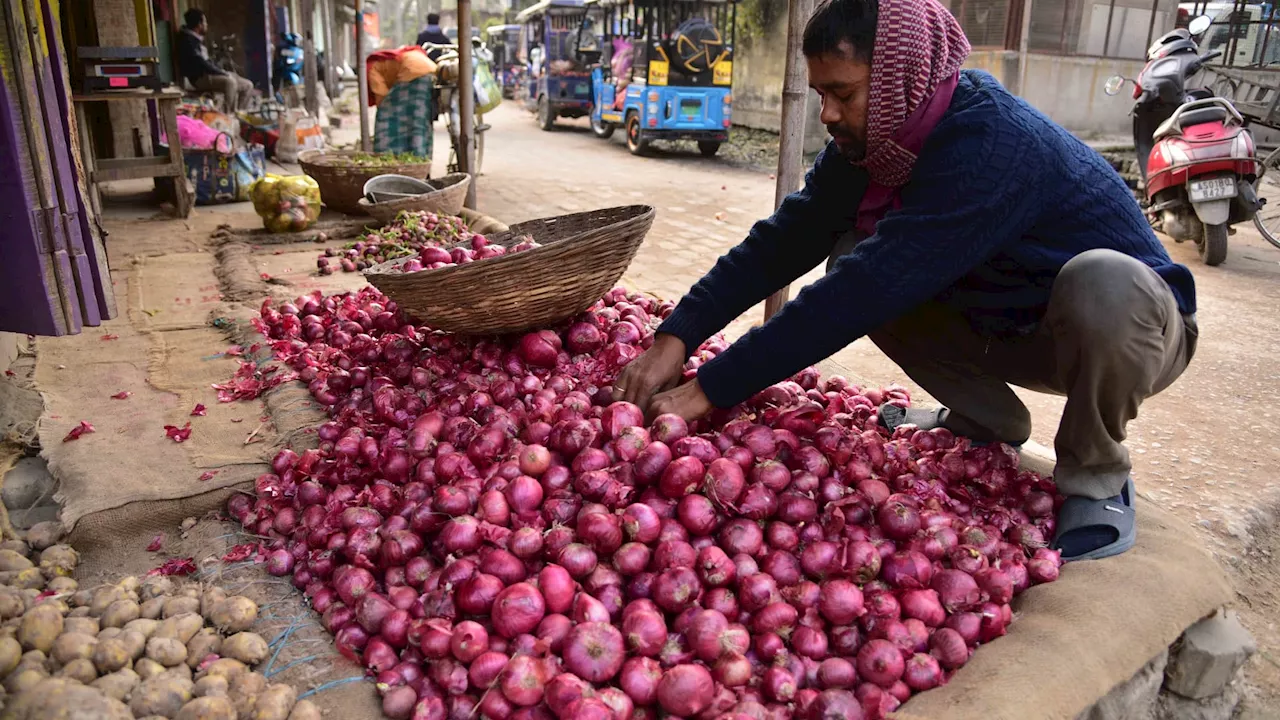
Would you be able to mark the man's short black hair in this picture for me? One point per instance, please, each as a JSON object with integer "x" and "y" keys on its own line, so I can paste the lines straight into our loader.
{"x": 193, "y": 17}
{"x": 433, "y": 19}
{"x": 836, "y": 22}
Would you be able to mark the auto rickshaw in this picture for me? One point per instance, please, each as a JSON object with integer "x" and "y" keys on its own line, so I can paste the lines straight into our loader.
{"x": 666, "y": 71}
{"x": 504, "y": 42}
{"x": 558, "y": 56}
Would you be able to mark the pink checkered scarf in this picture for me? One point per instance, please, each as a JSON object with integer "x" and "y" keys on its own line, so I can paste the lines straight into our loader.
{"x": 919, "y": 46}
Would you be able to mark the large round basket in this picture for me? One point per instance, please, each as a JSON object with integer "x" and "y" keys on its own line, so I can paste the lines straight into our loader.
{"x": 582, "y": 257}
{"x": 447, "y": 199}
{"x": 342, "y": 182}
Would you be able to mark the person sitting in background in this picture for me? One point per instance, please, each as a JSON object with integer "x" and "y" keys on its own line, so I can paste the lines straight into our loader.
{"x": 434, "y": 35}
{"x": 195, "y": 66}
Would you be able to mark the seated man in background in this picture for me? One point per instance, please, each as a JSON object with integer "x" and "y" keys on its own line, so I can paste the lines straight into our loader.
{"x": 434, "y": 35}
{"x": 195, "y": 66}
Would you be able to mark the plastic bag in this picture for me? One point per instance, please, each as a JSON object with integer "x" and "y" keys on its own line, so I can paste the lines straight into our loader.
{"x": 299, "y": 132}
{"x": 488, "y": 92}
{"x": 289, "y": 203}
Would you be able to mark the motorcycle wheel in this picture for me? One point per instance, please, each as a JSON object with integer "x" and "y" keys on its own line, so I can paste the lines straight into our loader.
{"x": 1213, "y": 246}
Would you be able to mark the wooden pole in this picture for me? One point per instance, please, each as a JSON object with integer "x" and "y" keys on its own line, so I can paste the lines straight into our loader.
{"x": 466, "y": 100}
{"x": 791, "y": 137}
{"x": 1024, "y": 45}
{"x": 362, "y": 76}
{"x": 330, "y": 52}
{"x": 311, "y": 97}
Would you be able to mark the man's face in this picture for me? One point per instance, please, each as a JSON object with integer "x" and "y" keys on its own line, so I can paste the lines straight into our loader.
{"x": 203, "y": 27}
{"x": 843, "y": 84}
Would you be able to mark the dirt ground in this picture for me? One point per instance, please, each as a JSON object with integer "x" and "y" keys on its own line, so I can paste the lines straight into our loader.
{"x": 1184, "y": 443}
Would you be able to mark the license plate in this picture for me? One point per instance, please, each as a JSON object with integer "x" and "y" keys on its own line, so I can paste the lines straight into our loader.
{"x": 1214, "y": 189}
{"x": 583, "y": 88}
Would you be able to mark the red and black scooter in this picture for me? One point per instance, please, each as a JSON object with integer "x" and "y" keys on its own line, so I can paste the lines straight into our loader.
{"x": 1197, "y": 158}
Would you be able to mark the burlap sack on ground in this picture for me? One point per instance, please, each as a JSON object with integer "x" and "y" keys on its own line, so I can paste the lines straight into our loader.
{"x": 1075, "y": 639}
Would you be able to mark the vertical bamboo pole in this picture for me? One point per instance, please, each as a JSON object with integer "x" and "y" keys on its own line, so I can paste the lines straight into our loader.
{"x": 311, "y": 97}
{"x": 466, "y": 100}
{"x": 791, "y": 137}
{"x": 362, "y": 76}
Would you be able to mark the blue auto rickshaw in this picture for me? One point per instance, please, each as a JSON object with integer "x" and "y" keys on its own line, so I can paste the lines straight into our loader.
{"x": 666, "y": 72}
{"x": 504, "y": 42}
{"x": 558, "y": 56}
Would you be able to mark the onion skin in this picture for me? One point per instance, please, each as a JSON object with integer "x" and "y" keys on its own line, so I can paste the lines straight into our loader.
{"x": 686, "y": 690}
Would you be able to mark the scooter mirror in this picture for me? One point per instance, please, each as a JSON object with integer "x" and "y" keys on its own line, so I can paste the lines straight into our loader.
{"x": 1198, "y": 25}
{"x": 1114, "y": 85}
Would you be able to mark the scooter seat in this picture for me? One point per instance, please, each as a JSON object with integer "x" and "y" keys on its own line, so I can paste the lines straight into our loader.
{"x": 1198, "y": 116}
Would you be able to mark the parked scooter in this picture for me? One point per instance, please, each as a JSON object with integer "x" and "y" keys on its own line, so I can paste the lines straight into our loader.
{"x": 1197, "y": 159}
{"x": 287, "y": 69}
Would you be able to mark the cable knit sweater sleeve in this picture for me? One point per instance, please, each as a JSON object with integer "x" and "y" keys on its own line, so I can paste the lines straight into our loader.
{"x": 966, "y": 199}
{"x": 798, "y": 236}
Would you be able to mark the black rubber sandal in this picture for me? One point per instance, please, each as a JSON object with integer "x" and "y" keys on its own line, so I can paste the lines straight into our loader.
{"x": 1113, "y": 516}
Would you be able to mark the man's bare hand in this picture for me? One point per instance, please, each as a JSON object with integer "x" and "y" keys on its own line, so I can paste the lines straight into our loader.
{"x": 687, "y": 400}
{"x": 657, "y": 369}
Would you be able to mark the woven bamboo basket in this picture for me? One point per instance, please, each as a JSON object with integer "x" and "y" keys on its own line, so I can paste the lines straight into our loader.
{"x": 342, "y": 184}
{"x": 582, "y": 256}
{"x": 446, "y": 200}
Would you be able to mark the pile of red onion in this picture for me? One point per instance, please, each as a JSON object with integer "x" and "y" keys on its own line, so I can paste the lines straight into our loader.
{"x": 491, "y": 535}
{"x": 428, "y": 241}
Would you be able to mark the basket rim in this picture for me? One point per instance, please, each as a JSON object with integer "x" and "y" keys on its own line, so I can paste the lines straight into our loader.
{"x": 645, "y": 212}
{"x": 459, "y": 179}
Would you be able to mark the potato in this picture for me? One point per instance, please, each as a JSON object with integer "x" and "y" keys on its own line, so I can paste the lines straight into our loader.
{"x": 156, "y": 586}
{"x": 224, "y": 667}
{"x": 130, "y": 584}
{"x": 29, "y": 579}
{"x": 24, "y": 679}
{"x": 79, "y": 612}
{"x": 82, "y": 625}
{"x": 190, "y": 591}
{"x": 207, "y": 708}
{"x": 274, "y": 703}
{"x": 40, "y": 627}
{"x": 45, "y": 534}
{"x": 211, "y": 597}
{"x": 34, "y": 657}
{"x": 163, "y": 695}
{"x": 135, "y": 641}
{"x": 145, "y": 628}
{"x": 110, "y": 655}
{"x": 73, "y": 646}
{"x": 17, "y": 546}
{"x": 82, "y": 598}
{"x": 103, "y": 597}
{"x": 148, "y": 668}
{"x": 212, "y": 685}
{"x": 234, "y": 614}
{"x": 244, "y": 691}
{"x": 206, "y": 642}
{"x": 248, "y": 648}
{"x": 10, "y": 654}
{"x": 81, "y": 670}
{"x": 121, "y": 612}
{"x": 180, "y": 605}
{"x": 166, "y": 651}
{"x": 305, "y": 710}
{"x": 11, "y": 603}
{"x": 11, "y": 561}
{"x": 59, "y": 698}
{"x": 153, "y": 608}
{"x": 109, "y": 633}
{"x": 183, "y": 627}
{"x": 63, "y": 585}
{"x": 118, "y": 685}
{"x": 59, "y": 560}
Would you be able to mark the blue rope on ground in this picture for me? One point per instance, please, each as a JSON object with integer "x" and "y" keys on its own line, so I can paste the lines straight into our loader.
{"x": 330, "y": 685}
{"x": 282, "y": 639}
{"x": 307, "y": 659}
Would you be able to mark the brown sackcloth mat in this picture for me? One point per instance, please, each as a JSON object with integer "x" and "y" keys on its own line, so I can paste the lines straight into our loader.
{"x": 1073, "y": 640}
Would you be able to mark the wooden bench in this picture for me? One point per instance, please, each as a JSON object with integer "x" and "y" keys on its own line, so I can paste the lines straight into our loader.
{"x": 168, "y": 169}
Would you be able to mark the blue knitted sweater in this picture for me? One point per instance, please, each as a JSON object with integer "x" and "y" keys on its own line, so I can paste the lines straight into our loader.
{"x": 999, "y": 200}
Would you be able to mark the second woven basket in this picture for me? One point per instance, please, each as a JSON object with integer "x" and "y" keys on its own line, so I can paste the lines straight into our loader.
{"x": 582, "y": 256}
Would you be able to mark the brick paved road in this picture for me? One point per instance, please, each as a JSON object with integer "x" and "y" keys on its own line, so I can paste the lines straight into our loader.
{"x": 1186, "y": 444}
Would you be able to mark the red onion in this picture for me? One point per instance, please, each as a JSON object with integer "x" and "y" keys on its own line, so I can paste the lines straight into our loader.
{"x": 922, "y": 673}
{"x": 645, "y": 633}
{"x": 948, "y": 646}
{"x": 907, "y": 569}
{"x": 840, "y": 602}
{"x": 523, "y": 681}
{"x": 485, "y": 669}
{"x": 594, "y": 651}
{"x": 777, "y": 617}
{"x": 880, "y": 662}
{"x": 681, "y": 477}
{"x": 578, "y": 559}
{"x": 923, "y": 605}
{"x": 863, "y": 561}
{"x": 779, "y": 684}
{"x": 565, "y": 689}
{"x": 956, "y": 589}
{"x": 836, "y": 704}
{"x": 686, "y": 690}
{"x": 470, "y": 640}
{"x": 836, "y": 673}
{"x": 517, "y": 609}
{"x": 475, "y": 595}
{"x": 697, "y": 514}
{"x": 1039, "y": 570}
{"x": 675, "y": 589}
{"x": 810, "y": 643}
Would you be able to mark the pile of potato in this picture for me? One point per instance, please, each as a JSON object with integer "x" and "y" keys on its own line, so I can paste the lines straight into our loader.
{"x": 137, "y": 649}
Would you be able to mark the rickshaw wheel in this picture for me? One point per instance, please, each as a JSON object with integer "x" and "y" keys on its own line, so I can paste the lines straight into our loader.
{"x": 545, "y": 119}
{"x": 708, "y": 148}
{"x": 601, "y": 129}
{"x": 635, "y": 144}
